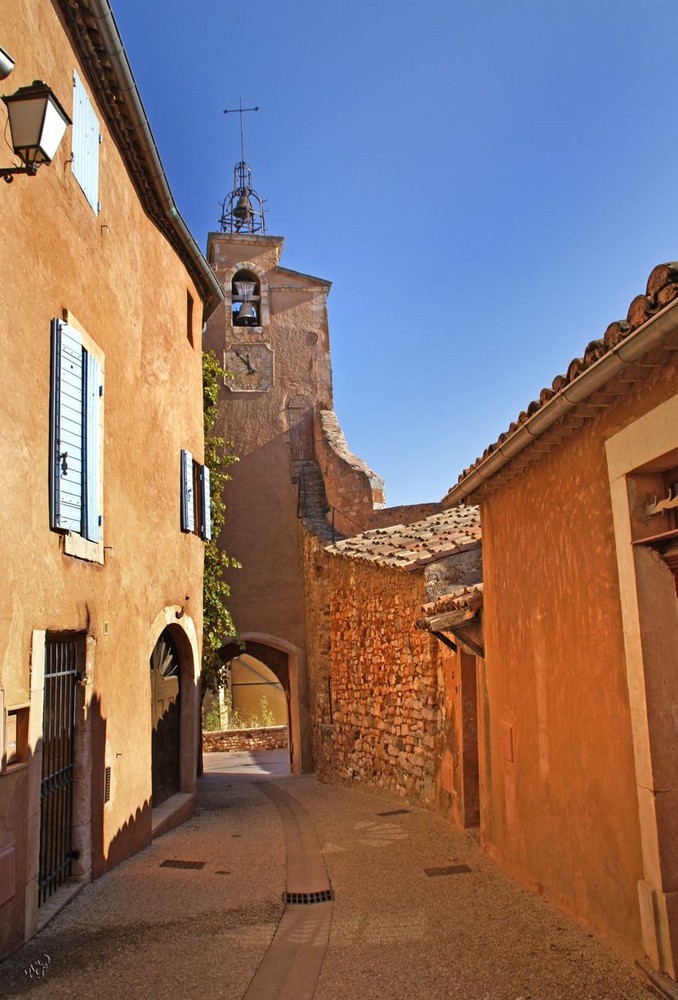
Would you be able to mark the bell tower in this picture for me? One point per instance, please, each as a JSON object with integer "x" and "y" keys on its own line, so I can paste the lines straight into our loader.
{"x": 271, "y": 334}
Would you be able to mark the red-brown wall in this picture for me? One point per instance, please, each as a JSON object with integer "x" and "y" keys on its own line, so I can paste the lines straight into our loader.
{"x": 559, "y": 804}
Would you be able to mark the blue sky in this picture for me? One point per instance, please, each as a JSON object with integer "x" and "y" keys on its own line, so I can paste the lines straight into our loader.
{"x": 486, "y": 184}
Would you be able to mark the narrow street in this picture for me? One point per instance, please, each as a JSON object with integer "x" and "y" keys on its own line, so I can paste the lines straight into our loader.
{"x": 295, "y": 889}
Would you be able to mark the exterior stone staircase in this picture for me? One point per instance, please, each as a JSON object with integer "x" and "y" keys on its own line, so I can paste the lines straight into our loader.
{"x": 313, "y": 507}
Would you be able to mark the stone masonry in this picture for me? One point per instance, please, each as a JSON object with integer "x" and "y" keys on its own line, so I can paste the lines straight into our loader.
{"x": 386, "y": 701}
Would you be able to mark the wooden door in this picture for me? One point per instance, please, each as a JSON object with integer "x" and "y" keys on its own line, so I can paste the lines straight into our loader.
{"x": 165, "y": 717}
{"x": 302, "y": 443}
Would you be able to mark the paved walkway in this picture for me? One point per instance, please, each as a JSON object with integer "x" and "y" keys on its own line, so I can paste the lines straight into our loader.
{"x": 417, "y": 911}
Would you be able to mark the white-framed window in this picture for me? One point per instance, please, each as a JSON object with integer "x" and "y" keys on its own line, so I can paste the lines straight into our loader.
{"x": 76, "y": 436}
{"x": 86, "y": 139}
{"x": 196, "y": 510}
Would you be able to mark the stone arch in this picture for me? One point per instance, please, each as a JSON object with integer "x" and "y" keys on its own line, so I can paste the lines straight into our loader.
{"x": 180, "y": 627}
{"x": 249, "y": 268}
{"x": 288, "y": 663}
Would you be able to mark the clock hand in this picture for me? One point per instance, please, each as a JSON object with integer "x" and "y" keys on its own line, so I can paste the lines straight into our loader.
{"x": 249, "y": 370}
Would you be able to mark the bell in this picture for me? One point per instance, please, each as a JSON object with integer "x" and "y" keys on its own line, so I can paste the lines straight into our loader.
{"x": 243, "y": 208}
{"x": 247, "y": 314}
{"x": 245, "y": 290}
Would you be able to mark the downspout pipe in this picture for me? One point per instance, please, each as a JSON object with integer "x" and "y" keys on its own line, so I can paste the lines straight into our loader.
{"x": 103, "y": 15}
{"x": 627, "y": 352}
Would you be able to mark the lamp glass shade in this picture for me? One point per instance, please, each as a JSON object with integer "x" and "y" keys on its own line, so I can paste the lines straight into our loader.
{"x": 37, "y": 123}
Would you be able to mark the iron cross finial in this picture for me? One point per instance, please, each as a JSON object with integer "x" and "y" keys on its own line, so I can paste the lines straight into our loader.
{"x": 241, "y": 111}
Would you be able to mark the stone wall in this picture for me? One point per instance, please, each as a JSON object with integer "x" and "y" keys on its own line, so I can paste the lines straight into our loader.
{"x": 384, "y": 517}
{"x": 352, "y": 488}
{"x": 273, "y": 738}
{"x": 387, "y": 709}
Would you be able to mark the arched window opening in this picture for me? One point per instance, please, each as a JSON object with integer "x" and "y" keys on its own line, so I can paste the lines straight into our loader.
{"x": 245, "y": 299}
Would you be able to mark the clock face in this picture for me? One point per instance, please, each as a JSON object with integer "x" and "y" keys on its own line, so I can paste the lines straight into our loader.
{"x": 251, "y": 367}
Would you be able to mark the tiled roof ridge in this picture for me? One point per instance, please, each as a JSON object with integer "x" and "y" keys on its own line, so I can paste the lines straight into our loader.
{"x": 413, "y": 545}
{"x": 467, "y": 597}
{"x": 662, "y": 288}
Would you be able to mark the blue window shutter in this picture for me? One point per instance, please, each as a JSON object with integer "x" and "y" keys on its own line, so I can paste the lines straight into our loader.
{"x": 93, "y": 401}
{"x": 67, "y": 428}
{"x": 187, "y": 501}
{"x": 85, "y": 133}
{"x": 205, "y": 505}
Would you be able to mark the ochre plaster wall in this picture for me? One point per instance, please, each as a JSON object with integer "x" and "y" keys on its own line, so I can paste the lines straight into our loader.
{"x": 559, "y": 802}
{"x": 262, "y": 529}
{"x": 118, "y": 276}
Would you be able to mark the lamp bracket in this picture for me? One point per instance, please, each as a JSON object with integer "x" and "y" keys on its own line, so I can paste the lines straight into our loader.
{"x": 7, "y": 173}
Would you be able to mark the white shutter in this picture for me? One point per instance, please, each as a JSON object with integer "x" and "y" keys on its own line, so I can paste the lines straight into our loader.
{"x": 67, "y": 428}
{"x": 206, "y": 504}
{"x": 187, "y": 499}
{"x": 93, "y": 402}
{"x": 85, "y": 133}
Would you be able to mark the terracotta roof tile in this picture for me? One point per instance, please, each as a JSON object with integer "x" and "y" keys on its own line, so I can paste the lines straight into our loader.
{"x": 456, "y": 600}
{"x": 662, "y": 288}
{"x": 412, "y": 545}
{"x": 454, "y": 609}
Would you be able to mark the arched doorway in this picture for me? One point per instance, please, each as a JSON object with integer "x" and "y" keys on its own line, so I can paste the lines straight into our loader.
{"x": 165, "y": 718}
{"x": 288, "y": 664}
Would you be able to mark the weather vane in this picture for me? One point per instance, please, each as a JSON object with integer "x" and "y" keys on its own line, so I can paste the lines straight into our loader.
{"x": 240, "y": 111}
{"x": 242, "y": 210}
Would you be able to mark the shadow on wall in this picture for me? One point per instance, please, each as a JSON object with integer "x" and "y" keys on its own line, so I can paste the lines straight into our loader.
{"x": 171, "y": 746}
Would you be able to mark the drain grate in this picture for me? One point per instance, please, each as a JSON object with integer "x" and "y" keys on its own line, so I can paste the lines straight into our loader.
{"x": 396, "y": 812}
{"x": 449, "y": 870}
{"x": 183, "y": 864}
{"x": 307, "y": 898}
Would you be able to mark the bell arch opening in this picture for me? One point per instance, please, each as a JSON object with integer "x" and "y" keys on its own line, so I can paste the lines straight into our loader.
{"x": 245, "y": 299}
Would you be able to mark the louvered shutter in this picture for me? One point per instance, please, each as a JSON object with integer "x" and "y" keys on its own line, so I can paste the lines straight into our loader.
{"x": 85, "y": 133}
{"x": 187, "y": 501}
{"x": 67, "y": 428}
{"x": 92, "y": 396}
{"x": 206, "y": 504}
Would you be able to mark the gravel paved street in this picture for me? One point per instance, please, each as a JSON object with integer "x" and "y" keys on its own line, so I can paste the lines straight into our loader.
{"x": 417, "y": 911}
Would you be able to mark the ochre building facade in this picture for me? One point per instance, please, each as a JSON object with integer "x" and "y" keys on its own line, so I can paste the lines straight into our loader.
{"x": 102, "y": 293}
{"x": 578, "y": 511}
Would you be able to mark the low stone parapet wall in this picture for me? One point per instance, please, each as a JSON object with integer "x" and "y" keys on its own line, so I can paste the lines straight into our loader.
{"x": 272, "y": 738}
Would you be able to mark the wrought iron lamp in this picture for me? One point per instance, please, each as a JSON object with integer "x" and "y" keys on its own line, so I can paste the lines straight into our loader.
{"x": 37, "y": 124}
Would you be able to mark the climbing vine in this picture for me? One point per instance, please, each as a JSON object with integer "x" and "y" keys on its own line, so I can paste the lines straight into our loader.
{"x": 217, "y": 621}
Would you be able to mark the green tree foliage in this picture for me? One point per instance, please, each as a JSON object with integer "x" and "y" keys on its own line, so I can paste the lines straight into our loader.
{"x": 218, "y": 625}
{"x": 212, "y": 721}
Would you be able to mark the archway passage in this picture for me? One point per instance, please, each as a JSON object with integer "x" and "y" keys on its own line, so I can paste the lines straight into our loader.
{"x": 256, "y": 692}
{"x": 165, "y": 718}
{"x": 277, "y": 662}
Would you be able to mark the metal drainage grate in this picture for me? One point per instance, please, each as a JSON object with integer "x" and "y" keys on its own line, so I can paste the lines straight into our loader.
{"x": 183, "y": 864}
{"x": 396, "y": 812}
{"x": 307, "y": 898}
{"x": 449, "y": 870}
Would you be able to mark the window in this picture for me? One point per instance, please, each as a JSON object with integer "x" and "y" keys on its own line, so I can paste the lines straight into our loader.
{"x": 76, "y": 413}
{"x": 245, "y": 299}
{"x": 86, "y": 139}
{"x": 189, "y": 318}
{"x": 196, "y": 511}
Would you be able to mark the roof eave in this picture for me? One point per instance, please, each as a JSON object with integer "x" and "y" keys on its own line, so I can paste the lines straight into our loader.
{"x": 95, "y": 35}
{"x": 628, "y": 351}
